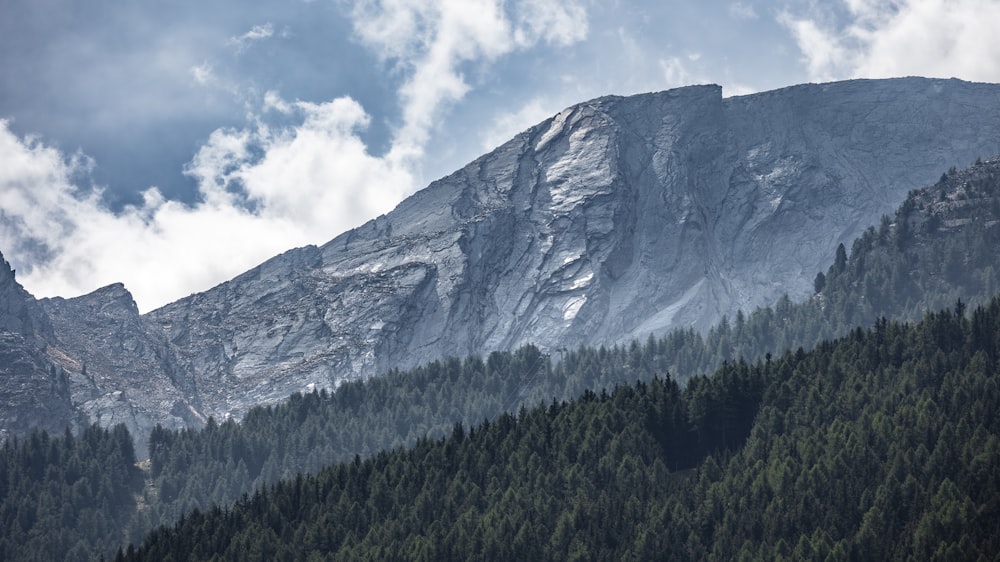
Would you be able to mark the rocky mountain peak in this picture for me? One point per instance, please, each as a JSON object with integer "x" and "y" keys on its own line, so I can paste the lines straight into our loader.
{"x": 18, "y": 311}
{"x": 113, "y": 301}
{"x": 615, "y": 219}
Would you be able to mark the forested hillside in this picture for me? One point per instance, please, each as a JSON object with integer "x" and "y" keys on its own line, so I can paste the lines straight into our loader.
{"x": 883, "y": 445}
{"x": 944, "y": 243}
{"x": 67, "y": 498}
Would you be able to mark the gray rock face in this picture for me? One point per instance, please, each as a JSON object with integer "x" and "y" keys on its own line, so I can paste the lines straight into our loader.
{"x": 32, "y": 393}
{"x": 120, "y": 370}
{"x": 617, "y": 218}
{"x": 19, "y": 313}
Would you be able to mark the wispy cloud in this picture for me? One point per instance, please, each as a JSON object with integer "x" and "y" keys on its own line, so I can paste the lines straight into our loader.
{"x": 256, "y": 33}
{"x": 942, "y": 38}
{"x": 504, "y": 126}
{"x": 676, "y": 73}
{"x": 203, "y": 73}
{"x": 432, "y": 40}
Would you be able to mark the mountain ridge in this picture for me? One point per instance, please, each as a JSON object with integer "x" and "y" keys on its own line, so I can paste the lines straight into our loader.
{"x": 941, "y": 246}
{"x": 614, "y": 219}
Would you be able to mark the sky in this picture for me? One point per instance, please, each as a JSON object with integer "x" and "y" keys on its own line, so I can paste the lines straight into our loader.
{"x": 173, "y": 145}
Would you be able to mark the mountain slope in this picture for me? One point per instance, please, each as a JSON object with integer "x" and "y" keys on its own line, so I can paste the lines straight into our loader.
{"x": 956, "y": 221}
{"x": 616, "y": 218}
{"x": 900, "y": 271}
{"x": 33, "y": 393}
{"x": 125, "y": 372}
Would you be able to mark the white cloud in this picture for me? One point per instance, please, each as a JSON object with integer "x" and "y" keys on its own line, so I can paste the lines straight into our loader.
{"x": 431, "y": 41}
{"x": 313, "y": 181}
{"x": 677, "y": 71}
{"x": 256, "y": 33}
{"x": 640, "y": 71}
{"x": 737, "y": 89}
{"x": 557, "y": 23}
{"x": 825, "y": 57}
{"x": 263, "y": 188}
{"x": 506, "y": 125}
{"x": 941, "y": 38}
{"x": 674, "y": 72}
{"x": 203, "y": 73}
{"x": 318, "y": 174}
{"x": 273, "y": 101}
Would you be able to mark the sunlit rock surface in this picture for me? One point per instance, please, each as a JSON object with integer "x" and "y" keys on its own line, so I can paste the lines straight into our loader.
{"x": 617, "y": 218}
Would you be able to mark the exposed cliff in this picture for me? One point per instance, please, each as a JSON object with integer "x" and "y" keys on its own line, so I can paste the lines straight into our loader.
{"x": 33, "y": 393}
{"x": 617, "y": 218}
{"x": 121, "y": 370}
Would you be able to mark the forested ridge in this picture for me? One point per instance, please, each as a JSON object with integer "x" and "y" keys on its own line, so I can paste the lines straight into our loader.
{"x": 882, "y": 445}
{"x": 943, "y": 243}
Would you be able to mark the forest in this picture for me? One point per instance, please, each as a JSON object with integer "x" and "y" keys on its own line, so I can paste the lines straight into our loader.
{"x": 907, "y": 266}
{"x": 80, "y": 497}
{"x": 882, "y": 445}
{"x": 67, "y": 497}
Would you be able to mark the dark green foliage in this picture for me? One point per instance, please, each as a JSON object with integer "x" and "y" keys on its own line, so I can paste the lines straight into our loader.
{"x": 67, "y": 498}
{"x": 819, "y": 283}
{"x": 943, "y": 243}
{"x": 883, "y": 445}
{"x": 921, "y": 260}
{"x": 219, "y": 463}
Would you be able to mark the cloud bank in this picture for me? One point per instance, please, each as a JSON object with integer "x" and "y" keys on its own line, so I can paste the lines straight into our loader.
{"x": 251, "y": 208}
{"x": 297, "y": 173}
{"x": 879, "y": 38}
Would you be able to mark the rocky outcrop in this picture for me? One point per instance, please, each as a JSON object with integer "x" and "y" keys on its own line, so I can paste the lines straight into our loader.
{"x": 92, "y": 359}
{"x": 617, "y": 218}
{"x": 120, "y": 370}
{"x": 33, "y": 392}
{"x": 19, "y": 312}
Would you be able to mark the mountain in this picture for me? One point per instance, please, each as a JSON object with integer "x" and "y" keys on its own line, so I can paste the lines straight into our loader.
{"x": 942, "y": 243}
{"x": 122, "y": 371}
{"x": 33, "y": 394}
{"x": 617, "y": 218}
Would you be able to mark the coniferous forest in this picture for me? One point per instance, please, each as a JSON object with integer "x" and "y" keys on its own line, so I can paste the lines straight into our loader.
{"x": 953, "y": 224}
{"x": 883, "y": 445}
{"x": 879, "y": 443}
{"x": 68, "y": 497}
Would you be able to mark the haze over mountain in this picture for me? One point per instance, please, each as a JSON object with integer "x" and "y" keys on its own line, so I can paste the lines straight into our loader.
{"x": 614, "y": 219}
